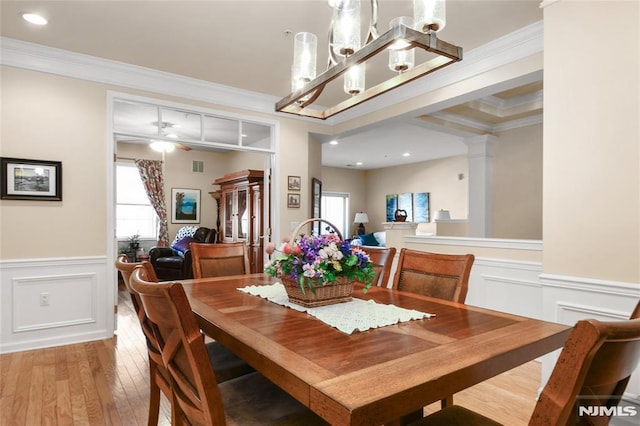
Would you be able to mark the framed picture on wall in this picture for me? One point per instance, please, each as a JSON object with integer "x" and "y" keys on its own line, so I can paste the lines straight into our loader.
{"x": 392, "y": 206}
{"x": 421, "y": 207}
{"x": 24, "y": 179}
{"x": 316, "y": 206}
{"x": 293, "y": 201}
{"x": 293, "y": 183}
{"x": 405, "y": 202}
{"x": 185, "y": 205}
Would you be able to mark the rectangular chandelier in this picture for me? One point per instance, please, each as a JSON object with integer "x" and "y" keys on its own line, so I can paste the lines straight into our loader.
{"x": 307, "y": 88}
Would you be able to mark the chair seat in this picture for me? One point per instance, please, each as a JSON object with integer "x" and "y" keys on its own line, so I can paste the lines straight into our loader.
{"x": 226, "y": 364}
{"x": 455, "y": 416}
{"x": 254, "y": 400}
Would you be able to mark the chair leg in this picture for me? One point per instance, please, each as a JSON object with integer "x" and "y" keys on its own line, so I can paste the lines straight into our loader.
{"x": 446, "y": 402}
{"x": 154, "y": 395}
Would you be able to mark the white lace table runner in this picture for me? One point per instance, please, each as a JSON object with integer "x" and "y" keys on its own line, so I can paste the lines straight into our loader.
{"x": 355, "y": 315}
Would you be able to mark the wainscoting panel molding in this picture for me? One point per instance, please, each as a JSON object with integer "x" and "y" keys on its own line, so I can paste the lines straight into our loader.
{"x": 568, "y": 299}
{"x": 44, "y": 301}
{"x": 52, "y": 302}
{"x": 507, "y": 286}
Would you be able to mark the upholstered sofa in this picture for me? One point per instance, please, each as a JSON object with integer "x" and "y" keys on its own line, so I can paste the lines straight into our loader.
{"x": 174, "y": 262}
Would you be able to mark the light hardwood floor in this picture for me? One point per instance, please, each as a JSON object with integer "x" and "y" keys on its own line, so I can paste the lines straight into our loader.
{"x": 106, "y": 383}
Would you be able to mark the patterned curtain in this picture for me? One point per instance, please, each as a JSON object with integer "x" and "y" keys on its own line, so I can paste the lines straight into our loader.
{"x": 151, "y": 174}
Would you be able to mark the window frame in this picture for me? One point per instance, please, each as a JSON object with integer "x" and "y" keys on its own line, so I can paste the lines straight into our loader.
{"x": 156, "y": 220}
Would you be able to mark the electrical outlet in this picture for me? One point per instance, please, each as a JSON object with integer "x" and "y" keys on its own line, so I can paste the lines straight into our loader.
{"x": 44, "y": 299}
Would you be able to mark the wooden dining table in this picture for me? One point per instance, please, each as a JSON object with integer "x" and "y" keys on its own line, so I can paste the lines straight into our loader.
{"x": 376, "y": 376}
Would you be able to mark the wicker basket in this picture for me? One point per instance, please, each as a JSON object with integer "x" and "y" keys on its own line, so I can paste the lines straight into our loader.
{"x": 328, "y": 294}
{"x": 337, "y": 292}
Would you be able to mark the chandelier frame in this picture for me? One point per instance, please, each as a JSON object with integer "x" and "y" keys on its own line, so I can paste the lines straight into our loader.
{"x": 447, "y": 54}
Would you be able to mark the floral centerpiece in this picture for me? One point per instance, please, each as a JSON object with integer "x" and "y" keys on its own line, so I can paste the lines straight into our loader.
{"x": 316, "y": 262}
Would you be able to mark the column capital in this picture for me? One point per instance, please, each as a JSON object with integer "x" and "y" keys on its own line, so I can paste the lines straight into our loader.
{"x": 481, "y": 146}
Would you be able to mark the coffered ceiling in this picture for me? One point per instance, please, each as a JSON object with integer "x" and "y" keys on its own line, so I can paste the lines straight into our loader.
{"x": 248, "y": 45}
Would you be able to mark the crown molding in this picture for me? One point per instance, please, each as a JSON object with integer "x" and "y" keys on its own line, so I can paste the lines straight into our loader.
{"x": 21, "y": 54}
{"x": 16, "y": 53}
{"x": 520, "y": 44}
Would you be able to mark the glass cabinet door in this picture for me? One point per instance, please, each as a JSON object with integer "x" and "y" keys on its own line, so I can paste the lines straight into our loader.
{"x": 228, "y": 215}
{"x": 243, "y": 213}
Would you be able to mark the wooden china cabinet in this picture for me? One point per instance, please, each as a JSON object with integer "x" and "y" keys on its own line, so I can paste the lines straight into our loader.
{"x": 241, "y": 212}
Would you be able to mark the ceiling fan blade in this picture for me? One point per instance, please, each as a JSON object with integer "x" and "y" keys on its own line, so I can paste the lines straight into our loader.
{"x": 181, "y": 146}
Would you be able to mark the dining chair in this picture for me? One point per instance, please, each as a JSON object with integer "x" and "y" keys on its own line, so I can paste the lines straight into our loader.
{"x": 592, "y": 371}
{"x": 445, "y": 276}
{"x": 228, "y": 365}
{"x": 198, "y": 398}
{"x": 219, "y": 260}
{"x": 382, "y": 258}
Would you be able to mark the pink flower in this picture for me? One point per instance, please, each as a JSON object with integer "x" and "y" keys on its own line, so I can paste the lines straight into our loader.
{"x": 287, "y": 249}
{"x": 286, "y": 239}
{"x": 271, "y": 247}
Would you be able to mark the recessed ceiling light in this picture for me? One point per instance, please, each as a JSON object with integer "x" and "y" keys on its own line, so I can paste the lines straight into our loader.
{"x": 334, "y": 142}
{"x": 406, "y": 154}
{"x": 359, "y": 163}
{"x": 34, "y": 18}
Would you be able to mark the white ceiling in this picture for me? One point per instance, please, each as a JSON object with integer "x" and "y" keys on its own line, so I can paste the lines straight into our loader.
{"x": 244, "y": 44}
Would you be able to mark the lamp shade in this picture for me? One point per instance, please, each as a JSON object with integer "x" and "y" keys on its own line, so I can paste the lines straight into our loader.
{"x": 442, "y": 215}
{"x": 346, "y": 27}
{"x": 400, "y": 58}
{"x": 361, "y": 218}
{"x": 429, "y": 15}
{"x": 304, "y": 59}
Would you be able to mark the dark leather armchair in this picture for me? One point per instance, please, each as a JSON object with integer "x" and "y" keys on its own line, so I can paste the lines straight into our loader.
{"x": 174, "y": 263}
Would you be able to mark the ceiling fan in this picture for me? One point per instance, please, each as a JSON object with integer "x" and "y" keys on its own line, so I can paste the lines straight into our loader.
{"x": 164, "y": 145}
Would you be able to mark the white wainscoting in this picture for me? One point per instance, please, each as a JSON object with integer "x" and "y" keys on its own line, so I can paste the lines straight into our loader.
{"x": 507, "y": 286}
{"x": 78, "y": 309}
{"x": 567, "y": 299}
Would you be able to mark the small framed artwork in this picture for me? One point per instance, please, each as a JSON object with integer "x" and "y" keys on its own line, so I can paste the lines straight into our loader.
{"x": 293, "y": 184}
{"x": 391, "y": 206}
{"x": 316, "y": 197}
{"x": 24, "y": 179}
{"x": 185, "y": 205}
{"x": 421, "y": 207}
{"x": 405, "y": 202}
{"x": 293, "y": 201}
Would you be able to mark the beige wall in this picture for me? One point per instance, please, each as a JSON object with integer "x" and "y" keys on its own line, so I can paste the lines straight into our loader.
{"x": 58, "y": 118}
{"x": 517, "y": 185}
{"x": 437, "y": 177}
{"x": 591, "y": 140}
{"x": 52, "y": 118}
{"x": 517, "y": 189}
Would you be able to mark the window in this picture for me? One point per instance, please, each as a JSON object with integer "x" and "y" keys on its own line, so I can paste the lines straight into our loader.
{"x": 335, "y": 209}
{"x": 134, "y": 213}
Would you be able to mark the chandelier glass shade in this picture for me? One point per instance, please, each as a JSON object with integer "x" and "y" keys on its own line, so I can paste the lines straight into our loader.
{"x": 401, "y": 57}
{"x": 347, "y": 55}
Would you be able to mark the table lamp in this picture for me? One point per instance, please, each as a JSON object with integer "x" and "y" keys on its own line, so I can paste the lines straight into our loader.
{"x": 361, "y": 218}
{"x": 442, "y": 215}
